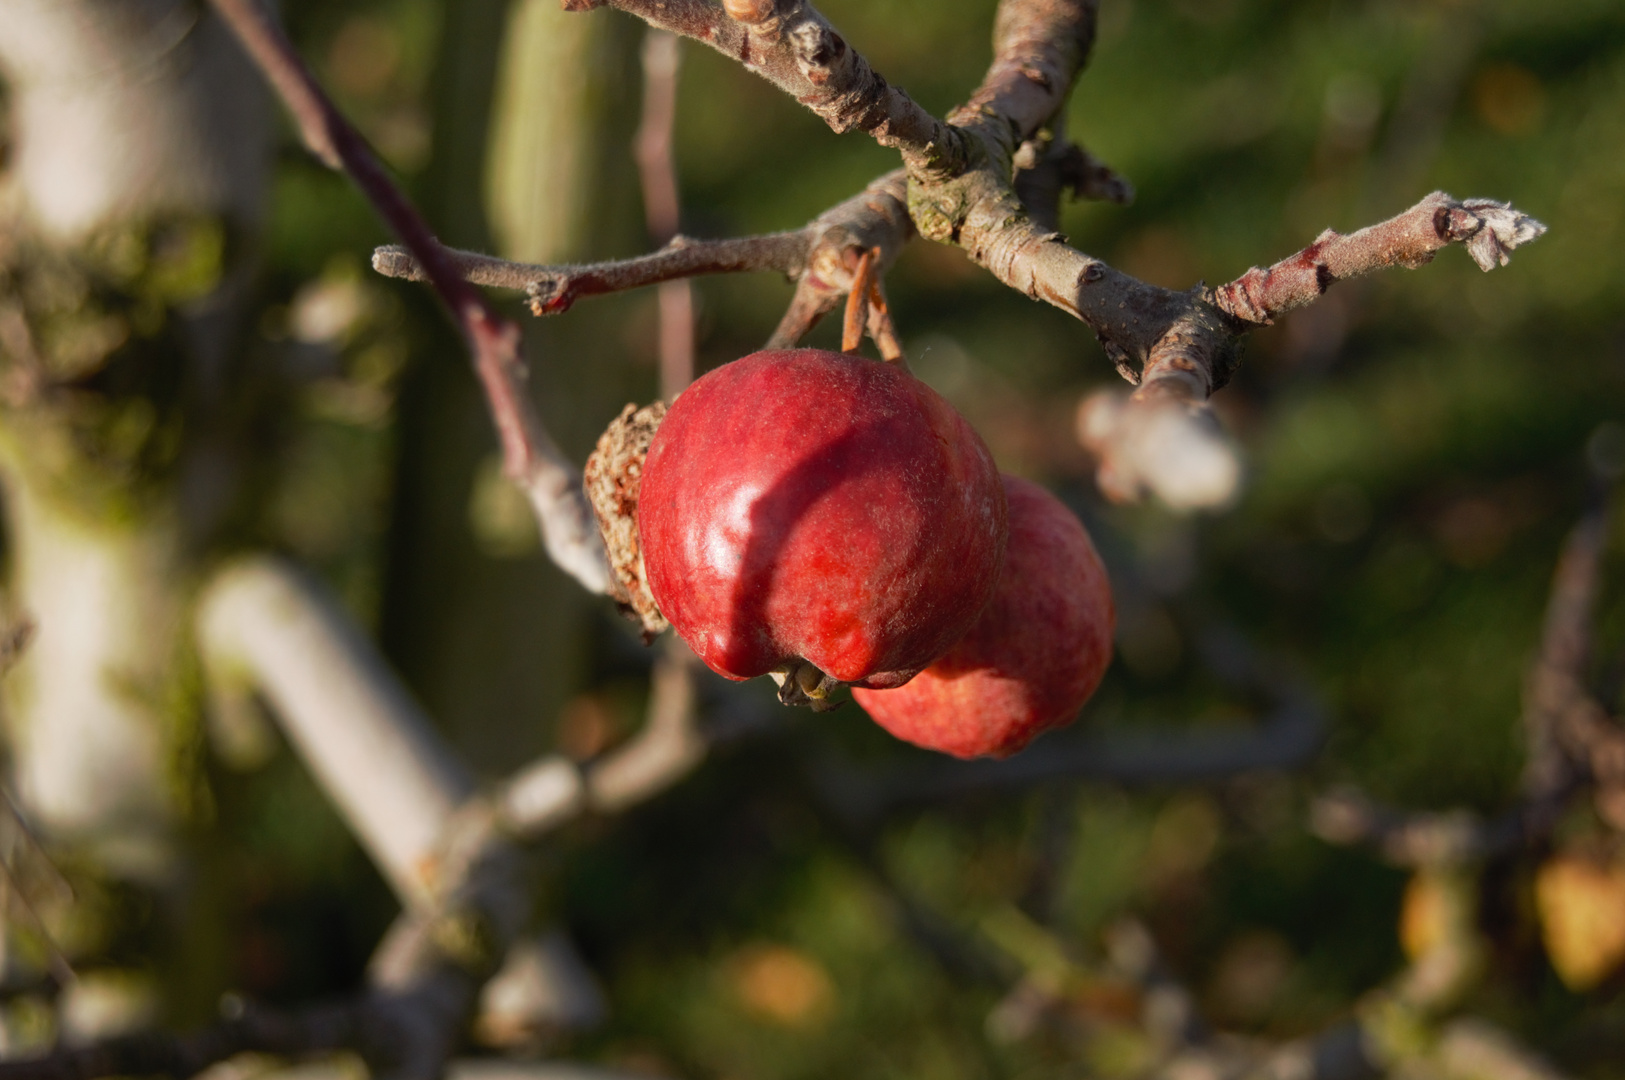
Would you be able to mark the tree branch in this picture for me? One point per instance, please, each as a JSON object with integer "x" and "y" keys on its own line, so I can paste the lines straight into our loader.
{"x": 988, "y": 182}
{"x": 449, "y": 853}
{"x": 794, "y": 47}
{"x": 1490, "y": 230}
{"x": 555, "y": 289}
{"x": 531, "y": 459}
{"x": 1039, "y": 46}
{"x": 375, "y": 753}
{"x": 553, "y": 790}
{"x": 1449, "y": 838}
{"x": 657, "y": 175}
{"x": 821, "y": 255}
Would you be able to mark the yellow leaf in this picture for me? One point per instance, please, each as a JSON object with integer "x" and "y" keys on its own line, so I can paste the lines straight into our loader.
{"x": 782, "y": 984}
{"x": 1582, "y": 918}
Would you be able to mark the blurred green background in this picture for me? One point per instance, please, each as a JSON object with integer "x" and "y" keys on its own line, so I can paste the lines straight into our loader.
{"x": 1416, "y": 443}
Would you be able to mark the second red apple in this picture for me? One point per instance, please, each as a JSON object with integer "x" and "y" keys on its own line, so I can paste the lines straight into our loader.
{"x": 1032, "y": 659}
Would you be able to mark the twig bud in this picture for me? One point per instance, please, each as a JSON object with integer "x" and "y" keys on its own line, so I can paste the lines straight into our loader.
{"x": 749, "y": 12}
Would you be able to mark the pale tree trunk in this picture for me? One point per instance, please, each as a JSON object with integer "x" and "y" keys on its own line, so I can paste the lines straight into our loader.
{"x": 128, "y": 221}
{"x": 127, "y": 117}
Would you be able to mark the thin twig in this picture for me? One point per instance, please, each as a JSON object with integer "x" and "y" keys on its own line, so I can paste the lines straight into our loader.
{"x": 530, "y": 458}
{"x": 554, "y": 790}
{"x": 554, "y": 290}
{"x": 820, "y": 255}
{"x": 791, "y": 45}
{"x": 60, "y": 968}
{"x": 666, "y": 749}
{"x": 1421, "y": 839}
{"x": 808, "y": 306}
{"x": 657, "y": 172}
{"x": 1489, "y": 230}
{"x": 881, "y": 327}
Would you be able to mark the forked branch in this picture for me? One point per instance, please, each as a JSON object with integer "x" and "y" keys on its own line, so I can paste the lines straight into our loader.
{"x": 988, "y": 182}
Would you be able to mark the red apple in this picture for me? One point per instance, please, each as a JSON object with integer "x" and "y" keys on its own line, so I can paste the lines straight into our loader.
{"x": 810, "y": 506}
{"x": 1032, "y": 659}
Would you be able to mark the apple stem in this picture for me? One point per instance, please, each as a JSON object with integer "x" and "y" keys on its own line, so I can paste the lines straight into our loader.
{"x": 881, "y": 327}
{"x": 857, "y": 301}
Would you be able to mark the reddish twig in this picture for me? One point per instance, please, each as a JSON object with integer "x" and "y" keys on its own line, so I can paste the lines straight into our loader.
{"x": 794, "y": 47}
{"x": 530, "y": 458}
{"x": 657, "y": 172}
{"x": 1490, "y": 230}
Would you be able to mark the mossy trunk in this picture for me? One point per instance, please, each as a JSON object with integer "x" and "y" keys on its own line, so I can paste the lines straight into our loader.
{"x": 128, "y": 216}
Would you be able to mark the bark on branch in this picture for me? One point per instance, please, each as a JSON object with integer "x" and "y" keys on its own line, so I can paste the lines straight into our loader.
{"x": 553, "y": 290}
{"x": 821, "y": 257}
{"x": 451, "y": 853}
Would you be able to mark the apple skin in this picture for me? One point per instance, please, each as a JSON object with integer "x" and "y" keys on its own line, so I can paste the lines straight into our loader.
{"x": 1032, "y": 659}
{"x": 821, "y": 506}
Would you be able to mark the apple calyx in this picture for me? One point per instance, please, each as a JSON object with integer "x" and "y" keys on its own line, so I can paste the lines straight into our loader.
{"x": 613, "y": 481}
{"x": 801, "y": 683}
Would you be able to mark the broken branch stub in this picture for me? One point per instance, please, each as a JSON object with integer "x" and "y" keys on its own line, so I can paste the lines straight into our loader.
{"x": 1170, "y": 448}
